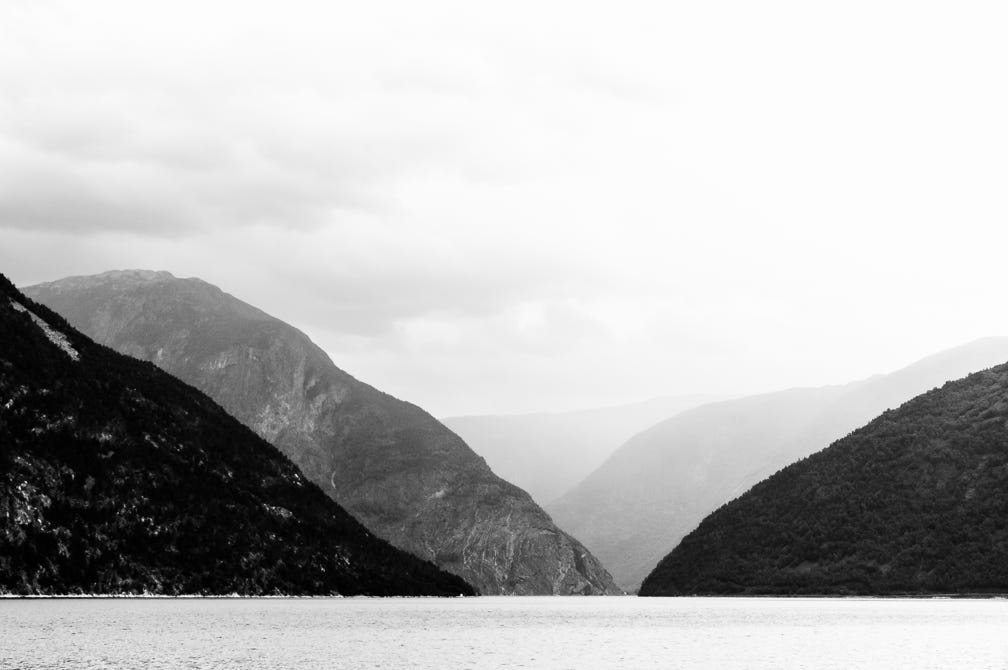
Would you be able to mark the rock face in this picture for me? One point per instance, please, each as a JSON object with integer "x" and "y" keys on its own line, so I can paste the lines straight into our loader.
{"x": 115, "y": 477}
{"x": 393, "y": 466}
{"x": 658, "y": 486}
{"x": 547, "y": 453}
{"x": 914, "y": 502}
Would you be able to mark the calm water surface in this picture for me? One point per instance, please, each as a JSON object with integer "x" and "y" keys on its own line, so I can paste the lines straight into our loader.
{"x": 504, "y": 633}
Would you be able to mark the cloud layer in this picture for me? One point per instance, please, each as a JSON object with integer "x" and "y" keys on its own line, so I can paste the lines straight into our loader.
{"x": 541, "y": 205}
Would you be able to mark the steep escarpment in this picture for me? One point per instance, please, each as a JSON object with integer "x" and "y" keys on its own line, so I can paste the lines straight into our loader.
{"x": 115, "y": 477}
{"x": 913, "y": 502}
{"x": 393, "y": 466}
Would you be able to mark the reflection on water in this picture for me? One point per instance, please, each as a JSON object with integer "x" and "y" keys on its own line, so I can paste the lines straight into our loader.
{"x": 504, "y": 632}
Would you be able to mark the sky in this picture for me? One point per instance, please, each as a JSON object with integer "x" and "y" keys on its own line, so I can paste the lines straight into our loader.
{"x": 490, "y": 208}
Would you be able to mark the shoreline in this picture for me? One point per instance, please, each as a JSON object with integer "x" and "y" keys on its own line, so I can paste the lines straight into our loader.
{"x": 236, "y": 596}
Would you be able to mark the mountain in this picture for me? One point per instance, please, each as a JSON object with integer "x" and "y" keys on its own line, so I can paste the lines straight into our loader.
{"x": 398, "y": 470}
{"x": 117, "y": 478}
{"x": 912, "y": 503}
{"x": 658, "y": 486}
{"x": 547, "y": 453}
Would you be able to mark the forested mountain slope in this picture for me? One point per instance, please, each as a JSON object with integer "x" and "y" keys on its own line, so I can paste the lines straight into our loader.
{"x": 914, "y": 502}
{"x": 115, "y": 477}
{"x": 658, "y": 486}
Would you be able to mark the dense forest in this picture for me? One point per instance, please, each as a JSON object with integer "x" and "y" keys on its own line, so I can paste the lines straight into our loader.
{"x": 115, "y": 477}
{"x": 915, "y": 502}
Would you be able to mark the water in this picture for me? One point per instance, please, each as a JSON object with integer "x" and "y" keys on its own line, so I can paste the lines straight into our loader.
{"x": 504, "y": 632}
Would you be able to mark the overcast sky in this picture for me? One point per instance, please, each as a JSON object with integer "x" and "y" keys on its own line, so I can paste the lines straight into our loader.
{"x": 530, "y": 206}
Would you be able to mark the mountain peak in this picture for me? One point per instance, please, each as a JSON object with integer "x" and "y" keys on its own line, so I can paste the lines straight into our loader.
{"x": 129, "y": 276}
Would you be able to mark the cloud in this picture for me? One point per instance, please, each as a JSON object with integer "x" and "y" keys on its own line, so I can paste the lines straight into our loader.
{"x": 104, "y": 128}
{"x": 277, "y": 160}
{"x": 530, "y": 205}
{"x": 168, "y": 124}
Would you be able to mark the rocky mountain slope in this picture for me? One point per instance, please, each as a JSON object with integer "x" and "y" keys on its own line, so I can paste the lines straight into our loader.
{"x": 547, "y": 453}
{"x": 117, "y": 478}
{"x": 914, "y": 502}
{"x": 393, "y": 466}
{"x": 658, "y": 486}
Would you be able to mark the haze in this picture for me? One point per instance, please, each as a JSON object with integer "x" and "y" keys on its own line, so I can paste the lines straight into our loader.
{"x": 529, "y": 206}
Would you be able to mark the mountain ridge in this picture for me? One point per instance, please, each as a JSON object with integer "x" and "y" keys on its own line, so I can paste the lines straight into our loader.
{"x": 547, "y": 453}
{"x": 910, "y": 503}
{"x": 657, "y": 487}
{"x": 118, "y": 478}
{"x": 393, "y": 466}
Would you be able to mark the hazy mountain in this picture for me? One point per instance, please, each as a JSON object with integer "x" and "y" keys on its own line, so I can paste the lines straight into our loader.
{"x": 914, "y": 502}
{"x": 547, "y": 453}
{"x": 393, "y": 466}
{"x": 116, "y": 477}
{"x": 658, "y": 486}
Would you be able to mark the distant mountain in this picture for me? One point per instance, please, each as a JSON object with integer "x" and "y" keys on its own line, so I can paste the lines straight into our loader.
{"x": 914, "y": 502}
{"x": 547, "y": 453}
{"x": 398, "y": 470}
{"x": 117, "y": 478}
{"x": 658, "y": 486}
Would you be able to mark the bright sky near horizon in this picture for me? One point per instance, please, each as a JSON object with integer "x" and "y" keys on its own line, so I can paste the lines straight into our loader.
{"x": 506, "y": 207}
